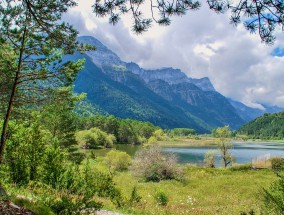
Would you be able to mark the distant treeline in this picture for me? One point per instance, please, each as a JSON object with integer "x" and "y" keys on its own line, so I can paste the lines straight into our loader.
{"x": 268, "y": 126}
{"x": 182, "y": 132}
{"x": 124, "y": 130}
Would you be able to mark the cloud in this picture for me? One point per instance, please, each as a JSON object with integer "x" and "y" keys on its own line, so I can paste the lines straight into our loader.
{"x": 201, "y": 44}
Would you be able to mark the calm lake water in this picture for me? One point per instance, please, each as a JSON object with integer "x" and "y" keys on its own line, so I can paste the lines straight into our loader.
{"x": 243, "y": 152}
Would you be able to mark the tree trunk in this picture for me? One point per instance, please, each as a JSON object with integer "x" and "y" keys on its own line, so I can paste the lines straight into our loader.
{"x": 12, "y": 98}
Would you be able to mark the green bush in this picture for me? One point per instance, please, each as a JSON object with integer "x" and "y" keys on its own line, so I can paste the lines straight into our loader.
{"x": 273, "y": 197}
{"x": 161, "y": 198}
{"x": 152, "y": 140}
{"x": 277, "y": 164}
{"x": 117, "y": 160}
{"x": 134, "y": 198}
{"x": 94, "y": 138}
{"x": 26, "y": 145}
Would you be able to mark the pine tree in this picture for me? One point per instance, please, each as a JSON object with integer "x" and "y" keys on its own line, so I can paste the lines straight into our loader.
{"x": 36, "y": 39}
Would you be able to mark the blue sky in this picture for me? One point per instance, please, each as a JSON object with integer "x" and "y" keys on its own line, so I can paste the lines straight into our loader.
{"x": 278, "y": 51}
{"x": 201, "y": 44}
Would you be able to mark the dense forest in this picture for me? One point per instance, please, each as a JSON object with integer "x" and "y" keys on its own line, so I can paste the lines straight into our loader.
{"x": 268, "y": 126}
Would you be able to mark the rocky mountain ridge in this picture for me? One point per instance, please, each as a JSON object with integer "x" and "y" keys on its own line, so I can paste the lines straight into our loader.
{"x": 165, "y": 97}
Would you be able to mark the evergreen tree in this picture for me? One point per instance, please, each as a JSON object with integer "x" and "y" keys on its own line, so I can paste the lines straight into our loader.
{"x": 261, "y": 16}
{"x": 36, "y": 40}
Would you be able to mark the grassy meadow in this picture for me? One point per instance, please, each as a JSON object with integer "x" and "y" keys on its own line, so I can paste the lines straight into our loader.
{"x": 203, "y": 191}
{"x": 234, "y": 190}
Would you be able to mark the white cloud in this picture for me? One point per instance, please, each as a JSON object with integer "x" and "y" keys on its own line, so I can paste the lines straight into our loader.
{"x": 201, "y": 43}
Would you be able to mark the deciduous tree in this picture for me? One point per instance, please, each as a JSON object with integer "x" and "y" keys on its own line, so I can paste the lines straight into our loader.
{"x": 223, "y": 136}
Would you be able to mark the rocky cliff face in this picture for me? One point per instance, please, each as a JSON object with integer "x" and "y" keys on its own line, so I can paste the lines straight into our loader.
{"x": 165, "y": 97}
{"x": 170, "y": 75}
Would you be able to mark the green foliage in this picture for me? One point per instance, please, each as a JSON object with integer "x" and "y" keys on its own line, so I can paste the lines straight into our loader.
{"x": 224, "y": 142}
{"x": 94, "y": 138}
{"x": 273, "y": 197}
{"x": 53, "y": 164}
{"x": 125, "y": 130}
{"x": 25, "y": 149}
{"x": 62, "y": 201}
{"x": 117, "y": 160}
{"x": 161, "y": 198}
{"x": 277, "y": 164}
{"x": 258, "y": 17}
{"x": 159, "y": 134}
{"x": 268, "y": 126}
{"x": 153, "y": 165}
{"x": 60, "y": 119}
{"x": 134, "y": 198}
{"x": 183, "y": 132}
{"x": 35, "y": 159}
{"x": 152, "y": 140}
{"x": 67, "y": 204}
{"x": 222, "y": 132}
{"x": 209, "y": 158}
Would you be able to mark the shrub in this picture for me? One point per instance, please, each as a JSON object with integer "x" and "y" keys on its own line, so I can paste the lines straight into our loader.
{"x": 161, "y": 198}
{"x": 152, "y": 140}
{"x": 25, "y": 149}
{"x": 153, "y": 165}
{"x": 209, "y": 158}
{"x": 159, "y": 134}
{"x": 94, "y": 138}
{"x": 135, "y": 198}
{"x": 117, "y": 160}
{"x": 53, "y": 164}
{"x": 277, "y": 164}
{"x": 273, "y": 197}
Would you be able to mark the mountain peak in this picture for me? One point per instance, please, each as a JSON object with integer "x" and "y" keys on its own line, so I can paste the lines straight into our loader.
{"x": 102, "y": 55}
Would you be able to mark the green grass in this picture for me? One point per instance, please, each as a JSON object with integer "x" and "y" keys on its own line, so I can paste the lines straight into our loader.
{"x": 189, "y": 141}
{"x": 204, "y": 191}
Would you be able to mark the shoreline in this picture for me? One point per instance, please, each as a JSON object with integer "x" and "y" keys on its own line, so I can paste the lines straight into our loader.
{"x": 203, "y": 142}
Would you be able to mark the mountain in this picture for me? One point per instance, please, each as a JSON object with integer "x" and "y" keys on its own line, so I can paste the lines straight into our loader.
{"x": 268, "y": 126}
{"x": 165, "y": 97}
{"x": 249, "y": 113}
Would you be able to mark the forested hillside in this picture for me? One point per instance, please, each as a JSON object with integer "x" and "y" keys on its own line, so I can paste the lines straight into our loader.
{"x": 268, "y": 126}
{"x": 165, "y": 97}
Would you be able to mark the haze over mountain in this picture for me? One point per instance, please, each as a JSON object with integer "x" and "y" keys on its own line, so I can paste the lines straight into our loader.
{"x": 165, "y": 97}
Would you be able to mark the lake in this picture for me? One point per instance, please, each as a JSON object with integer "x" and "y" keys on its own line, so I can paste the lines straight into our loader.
{"x": 243, "y": 152}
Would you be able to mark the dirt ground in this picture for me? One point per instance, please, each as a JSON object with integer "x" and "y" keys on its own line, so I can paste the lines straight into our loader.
{"x": 8, "y": 208}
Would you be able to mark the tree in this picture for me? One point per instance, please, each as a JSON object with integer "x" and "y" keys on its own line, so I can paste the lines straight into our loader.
{"x": 32, "y": 33}
{"x": 94, "y": 138}
{"x": 117, "y": 160}
{"x": 223, "y": 136}
{"x": 260, "y": 16}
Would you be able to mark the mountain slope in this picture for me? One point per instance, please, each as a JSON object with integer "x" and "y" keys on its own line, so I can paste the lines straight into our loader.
{"x": 122, "y": 101}
{"x": 248, "y": 113}
{"x": 268, "y": 126}
{"x": 165, "y": 97}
